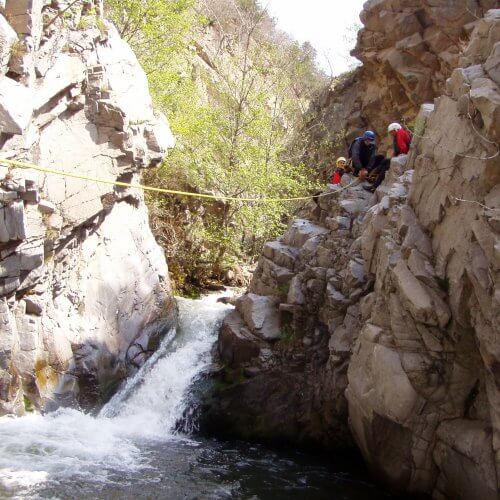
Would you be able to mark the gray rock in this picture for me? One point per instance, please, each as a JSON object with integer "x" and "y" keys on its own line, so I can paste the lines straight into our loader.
{"x": 12, "y": 222}
{"x": 34, "y": 305}
{"x": 7, "y": 39}
{"x": 31, "y": 196}
{"x": 261, "y": 315}
{"x": 300, "y": 231}
{"x": 236, "y": 344}
{"x": 46, "y": 207}
{"x": 8, "y": 285}
{"x": 16, "y": 106}
{"x": 25, "y": 17}
{"x": 65, "y": 72}
{"x": 486, "y": 99}
{"x": 280, "y": 254}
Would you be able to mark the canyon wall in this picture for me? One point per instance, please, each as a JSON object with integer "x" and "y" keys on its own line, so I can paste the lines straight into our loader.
{"x": 408, "y": 50}
{"x": 375, "y": 318}
{"x": 84, "y": 288}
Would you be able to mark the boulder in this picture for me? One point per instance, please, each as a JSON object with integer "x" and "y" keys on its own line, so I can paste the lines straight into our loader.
{"x": 486, "y": 98}
{"x": 236, "y": 345}
{"x": 16, "y": 106}
{"x": 423, "y": 303}
{"x": 465, "y": 456}
{"x": 301, "y": 230}
{"x": 12, "y": 222}
{"x": 159, "y": 137}
{"x": 65, "y": 72}
{"x": 261, "y": 315}
{"x": 280, "y": 254}
{"x": 492, "y": 64}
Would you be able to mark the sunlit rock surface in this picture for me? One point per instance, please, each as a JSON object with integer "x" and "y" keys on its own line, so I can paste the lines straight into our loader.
{"x": 388, "y": 304}
{"x": 84, "y": 288}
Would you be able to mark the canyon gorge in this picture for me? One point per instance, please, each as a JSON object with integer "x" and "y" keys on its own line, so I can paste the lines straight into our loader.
{"x": 370, "y": 326}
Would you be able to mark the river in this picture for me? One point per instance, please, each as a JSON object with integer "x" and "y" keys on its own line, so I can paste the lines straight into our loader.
{"x": 131, "y": 449}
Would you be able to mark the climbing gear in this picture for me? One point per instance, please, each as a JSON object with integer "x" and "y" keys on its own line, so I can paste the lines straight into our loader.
{"x": 341, "y": 162}
{"x": 394, "y": 127}
{"x": 20, "y": 164}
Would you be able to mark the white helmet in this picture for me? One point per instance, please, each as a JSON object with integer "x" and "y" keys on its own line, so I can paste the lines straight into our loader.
{"x": 394, "y": 127}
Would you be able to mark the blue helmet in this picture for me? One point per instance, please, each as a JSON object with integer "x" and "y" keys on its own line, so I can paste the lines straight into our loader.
{"x": 369, "y": 136}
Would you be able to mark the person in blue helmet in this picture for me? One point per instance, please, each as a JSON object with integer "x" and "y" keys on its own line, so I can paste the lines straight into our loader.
{"x": 362, "y": 153}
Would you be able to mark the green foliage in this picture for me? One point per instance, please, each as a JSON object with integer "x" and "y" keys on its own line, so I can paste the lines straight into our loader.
{"x": 28, "y": 407}
{"x": 233, "y": 94}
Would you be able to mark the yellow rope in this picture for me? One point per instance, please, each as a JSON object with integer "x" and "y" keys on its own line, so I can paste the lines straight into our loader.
{"x": 64, "y": 173}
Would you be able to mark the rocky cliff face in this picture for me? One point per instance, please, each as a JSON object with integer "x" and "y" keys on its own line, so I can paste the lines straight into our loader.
{"x": 84, "y": 289}
{"x": 408, "y": 50}
{"x": 376, "y": 318}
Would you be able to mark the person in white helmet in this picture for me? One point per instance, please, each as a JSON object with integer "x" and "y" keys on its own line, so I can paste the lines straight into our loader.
{"x": 341, "y": 164}
{"x": 401, "y": 139}
{"x": 401, "y": 145}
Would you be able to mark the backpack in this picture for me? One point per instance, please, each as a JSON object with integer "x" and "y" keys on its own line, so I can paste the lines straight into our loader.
{"x": 350, "y": 147}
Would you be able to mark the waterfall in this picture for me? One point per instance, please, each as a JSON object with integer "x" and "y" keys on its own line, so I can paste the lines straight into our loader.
{"x": 69, "y": 443}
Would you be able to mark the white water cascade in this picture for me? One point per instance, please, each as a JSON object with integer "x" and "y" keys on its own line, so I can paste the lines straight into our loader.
{"x": 70, "y": 444}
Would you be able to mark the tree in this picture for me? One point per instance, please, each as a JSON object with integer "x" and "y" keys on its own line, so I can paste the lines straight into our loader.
{"x": 235, "y": 90}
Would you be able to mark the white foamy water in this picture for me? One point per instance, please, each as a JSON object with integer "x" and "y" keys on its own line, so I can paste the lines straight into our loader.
{"x": 70, "y": 444}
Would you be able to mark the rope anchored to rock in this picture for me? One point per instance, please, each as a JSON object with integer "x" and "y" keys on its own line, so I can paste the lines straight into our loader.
{"x": 64, "y": 173}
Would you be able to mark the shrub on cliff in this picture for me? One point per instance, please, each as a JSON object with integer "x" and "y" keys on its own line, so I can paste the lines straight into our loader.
{"x": 234, "y": 89}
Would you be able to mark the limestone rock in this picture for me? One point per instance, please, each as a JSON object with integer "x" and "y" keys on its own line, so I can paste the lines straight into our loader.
{"x": 261, "y": 315}
{"x": 391, "y": 318}
{"x": 16, "y": 106}
{"x": 486, "y": 98}
{"x": 79, "y": 288}
{"x": 25, "y": 16}
{"x": 65, "y": 72}
{"x": 8, "y": 38}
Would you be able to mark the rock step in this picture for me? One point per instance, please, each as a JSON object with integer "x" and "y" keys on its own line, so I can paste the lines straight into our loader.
{"x": 301, "y": 230}
{"x": 281, "y": 254}
{"x": 236, "y": 343}
{"x": 261, "y": 315}
{"x": 272, "y": 280}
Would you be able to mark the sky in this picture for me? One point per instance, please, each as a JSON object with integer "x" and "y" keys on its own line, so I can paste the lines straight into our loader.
{"x": 327, "y": 24}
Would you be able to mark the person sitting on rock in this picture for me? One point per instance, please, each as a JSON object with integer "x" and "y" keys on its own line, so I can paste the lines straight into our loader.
{"x": 375, "y": 172}
{"x": 379, "y": 167}
{"x": 401, "y": 139}
{"x": 362, "y": 152}
{"x": 339, "y": 171}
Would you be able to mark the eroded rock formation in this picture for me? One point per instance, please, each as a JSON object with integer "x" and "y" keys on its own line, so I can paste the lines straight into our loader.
{"x": 377, "y": 317}
{"x": 84, "y": 289}
{"x": 408, "y": 50}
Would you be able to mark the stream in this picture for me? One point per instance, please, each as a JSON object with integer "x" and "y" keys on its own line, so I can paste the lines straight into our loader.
{"x": 131, "y": 449}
